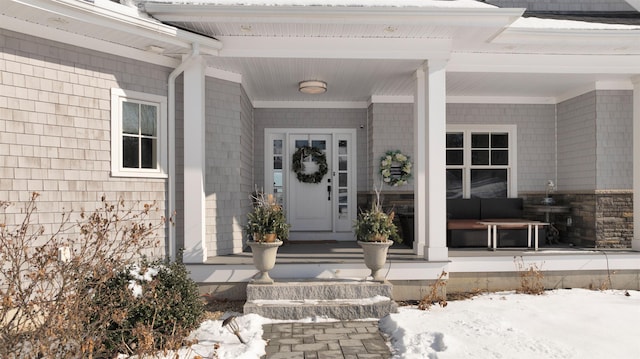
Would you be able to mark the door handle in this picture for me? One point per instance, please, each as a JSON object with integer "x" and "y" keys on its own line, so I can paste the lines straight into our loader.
{"x": 329, "y": 192}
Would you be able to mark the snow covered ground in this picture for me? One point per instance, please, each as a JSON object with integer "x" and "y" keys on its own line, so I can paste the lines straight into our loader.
{"x": 570, "y": 323}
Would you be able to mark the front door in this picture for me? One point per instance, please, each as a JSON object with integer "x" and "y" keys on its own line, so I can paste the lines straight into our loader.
{"x": 320, "y": 205}
{"x": 310, "y": 205}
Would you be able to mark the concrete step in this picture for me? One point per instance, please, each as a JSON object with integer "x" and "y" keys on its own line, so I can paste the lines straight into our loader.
{"x": 343, "y": 300}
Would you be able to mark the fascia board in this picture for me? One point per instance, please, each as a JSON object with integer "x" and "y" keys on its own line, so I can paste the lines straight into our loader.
{"x": 335, "y": 14}
{"x": 592, "y": 38}
{"x": 122, "y": 21}
{"x": 335, "y": 48}
{"x": 61, "y": 36}
{"x": 543, "y": 63}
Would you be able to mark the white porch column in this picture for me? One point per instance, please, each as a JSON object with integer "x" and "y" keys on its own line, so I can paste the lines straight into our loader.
{"x": 194, "y": 162}
{"x": 430, "y": 177}
{"x": 635, "y": 243}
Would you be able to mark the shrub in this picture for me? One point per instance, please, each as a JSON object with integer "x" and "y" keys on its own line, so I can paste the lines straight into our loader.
{"x": 437, "y": 294}
{"x": 48, "y": 276}
{"x": 531, "y": 278}
{"x": 157, "y": 305}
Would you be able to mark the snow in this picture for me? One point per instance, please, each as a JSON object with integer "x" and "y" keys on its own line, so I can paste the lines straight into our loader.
{"x": 567, "y": 323}
{"x": 352, "y": 3}
{"x": 537, "y": 23}
{"x": 147, "y": 276}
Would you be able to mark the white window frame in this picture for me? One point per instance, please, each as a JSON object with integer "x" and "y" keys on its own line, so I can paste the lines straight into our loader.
{"x": 512, "y": 168}
{"x": 118, "y": 96}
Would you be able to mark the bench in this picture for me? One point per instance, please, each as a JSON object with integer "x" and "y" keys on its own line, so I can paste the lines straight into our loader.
{"x": 467, "y": 223}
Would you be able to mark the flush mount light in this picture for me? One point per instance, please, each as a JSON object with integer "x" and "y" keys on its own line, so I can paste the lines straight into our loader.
{"x": 312, "y": 87}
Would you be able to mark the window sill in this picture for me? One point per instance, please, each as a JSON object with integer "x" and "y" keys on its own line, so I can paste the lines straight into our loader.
{"x": 132, "y": 174}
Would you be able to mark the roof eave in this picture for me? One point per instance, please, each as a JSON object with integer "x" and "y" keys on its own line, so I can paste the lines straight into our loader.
{"x": 324, "y": 14}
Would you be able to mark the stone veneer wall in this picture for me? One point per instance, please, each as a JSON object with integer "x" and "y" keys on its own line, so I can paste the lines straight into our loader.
{"x": 614, "y": 219}
{"x": 601, "y": 220}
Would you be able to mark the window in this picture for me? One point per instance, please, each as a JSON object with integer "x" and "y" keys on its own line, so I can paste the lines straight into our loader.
{"x": 481, "y": 161}
{"x": 138, "y": 134}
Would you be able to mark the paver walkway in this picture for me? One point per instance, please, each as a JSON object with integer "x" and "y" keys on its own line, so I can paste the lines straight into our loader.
{"x": 332, "y": 340}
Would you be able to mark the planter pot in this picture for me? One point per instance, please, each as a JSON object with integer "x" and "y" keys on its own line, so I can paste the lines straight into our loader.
{"x": 375, "y": 256}
{"x": 264, "y": 259}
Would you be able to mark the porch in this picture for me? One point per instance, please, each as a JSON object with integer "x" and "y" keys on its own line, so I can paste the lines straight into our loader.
{"x": 469, "y": 269}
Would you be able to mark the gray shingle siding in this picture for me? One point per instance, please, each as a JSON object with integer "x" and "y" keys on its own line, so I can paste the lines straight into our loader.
{"x": 55, "y": 132}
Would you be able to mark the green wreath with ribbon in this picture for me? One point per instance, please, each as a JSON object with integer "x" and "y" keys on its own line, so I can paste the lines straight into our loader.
{"x": 317, "y": 156}
{"x": 395, "y": 168}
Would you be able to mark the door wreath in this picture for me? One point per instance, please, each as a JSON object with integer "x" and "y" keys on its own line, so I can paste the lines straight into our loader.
{"x": 395, "y": 168}
{"x": 317, "y": 156}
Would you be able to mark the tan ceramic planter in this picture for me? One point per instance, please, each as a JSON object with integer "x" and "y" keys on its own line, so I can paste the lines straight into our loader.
{"x": 375, "y": 256}
{"x": 264, "y": 259}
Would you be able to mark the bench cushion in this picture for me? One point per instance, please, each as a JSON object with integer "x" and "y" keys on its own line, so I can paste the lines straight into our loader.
{"x": 501, "y": 208}
{"x": 460, "y": 208}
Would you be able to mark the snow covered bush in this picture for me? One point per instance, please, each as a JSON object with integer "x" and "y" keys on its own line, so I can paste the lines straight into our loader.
{"x": 157, "y": 305}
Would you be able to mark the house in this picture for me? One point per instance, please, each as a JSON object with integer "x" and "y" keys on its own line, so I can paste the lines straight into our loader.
{"x": 195, "y": 104}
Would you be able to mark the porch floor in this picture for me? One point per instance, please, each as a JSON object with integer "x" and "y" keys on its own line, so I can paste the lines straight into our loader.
{"x": 350, "y": 252}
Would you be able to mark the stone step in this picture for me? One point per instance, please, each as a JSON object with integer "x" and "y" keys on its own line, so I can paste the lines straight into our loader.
{"x": 365, "y": 308}
{"x": 342, "y": 300}
{"x": 322, "y": 290}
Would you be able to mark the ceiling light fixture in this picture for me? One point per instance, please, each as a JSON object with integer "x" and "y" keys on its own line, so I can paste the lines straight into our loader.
{"x": 312, "y": 87}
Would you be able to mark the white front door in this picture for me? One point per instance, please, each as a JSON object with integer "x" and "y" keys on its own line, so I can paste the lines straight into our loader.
{"x": 319, "y": 207}
{"x": 310, "y": 205}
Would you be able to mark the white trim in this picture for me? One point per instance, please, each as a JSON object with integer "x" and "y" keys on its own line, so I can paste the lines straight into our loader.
{"x": 309, "y": 104}
{"x": 502, "y": 100}
{"x": 543, "y": 63}
{"x": 334, "y": 48}
{"x": 512, "y": 168}
{"x": 420, "y": 119}
{"x": 147, "y": 27}
{"x": 223, "y": 75}
{"x": 117, "y": 97}
{"x": 615, "y": 35}
{"x": 635, "y": 243}
{"x": 390, "y": 99}
{"x": 384, "y": 15}
{"x": 194, "y": 178}
{"x": 81, "y": 41}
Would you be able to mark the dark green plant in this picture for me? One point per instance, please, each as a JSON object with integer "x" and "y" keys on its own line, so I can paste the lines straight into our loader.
{"x": 375, "y": 223}
{"x": 156, "y": 305}
{"x": 267, "y": 217}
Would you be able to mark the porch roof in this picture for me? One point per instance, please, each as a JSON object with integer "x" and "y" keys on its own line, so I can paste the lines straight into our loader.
{"x": 368, "y": 51}
{"x": 365, "y": 53}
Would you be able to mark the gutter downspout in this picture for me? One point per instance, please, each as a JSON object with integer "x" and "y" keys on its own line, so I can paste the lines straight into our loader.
{"x": 171, "y": 109}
